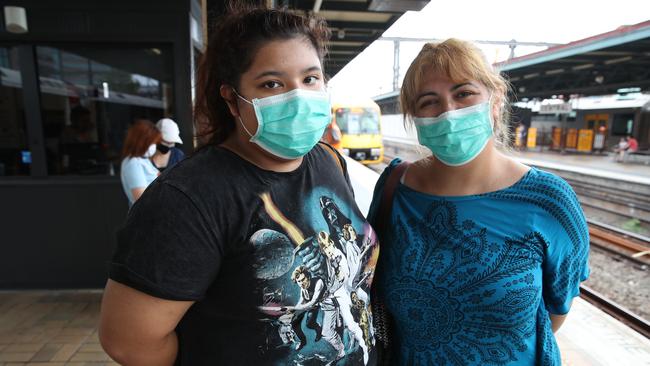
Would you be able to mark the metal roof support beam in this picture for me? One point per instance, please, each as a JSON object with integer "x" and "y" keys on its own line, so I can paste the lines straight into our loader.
{"x": 507, "y": 43}
{"x": 357, "y": 25}
{"x": 338, "y": 6}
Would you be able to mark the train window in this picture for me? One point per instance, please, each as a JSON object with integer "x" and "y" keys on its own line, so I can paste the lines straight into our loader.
{"x": 90, "y": 96}
{"x": 355, "y": 121}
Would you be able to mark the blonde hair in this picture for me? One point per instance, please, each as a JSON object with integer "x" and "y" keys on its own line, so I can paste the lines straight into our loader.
{"x": 460, "y": 61}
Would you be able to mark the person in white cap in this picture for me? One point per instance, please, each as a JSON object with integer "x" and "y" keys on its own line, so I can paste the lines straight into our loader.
{"x": 167, "y": 154}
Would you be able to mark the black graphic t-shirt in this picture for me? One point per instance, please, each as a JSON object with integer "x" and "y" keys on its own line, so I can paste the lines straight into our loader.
{"x": 279, "y": 264}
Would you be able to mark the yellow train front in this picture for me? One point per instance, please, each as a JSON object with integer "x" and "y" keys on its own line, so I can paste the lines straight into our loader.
{"x": 359, "y": 126}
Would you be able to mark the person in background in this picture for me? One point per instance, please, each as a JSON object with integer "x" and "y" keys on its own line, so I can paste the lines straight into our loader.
{"x": 333, "y": 135}
{"x": 202, "y": 271}
{"x": 481, "y": 255}
{"x": 632, "y": 144}
{"x": 167, "y": 154}
{"x": 620, "y": 149}
{"x": 137, "y": 170}
{"x": 81, "y": 129}
{"x": 626, "y": 146}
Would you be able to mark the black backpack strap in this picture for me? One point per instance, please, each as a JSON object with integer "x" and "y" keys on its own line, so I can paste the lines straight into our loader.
{"x": 381, "y": 319}
{"x": 386, "y": 203}
{"x": 335, "y": 155}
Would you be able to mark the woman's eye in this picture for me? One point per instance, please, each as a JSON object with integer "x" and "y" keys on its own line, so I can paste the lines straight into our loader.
{"x": 428, "y": 103}
{"x": 272, "y": 84}
{"x": 311, "y": 80}
{"x": 465, "y": 94}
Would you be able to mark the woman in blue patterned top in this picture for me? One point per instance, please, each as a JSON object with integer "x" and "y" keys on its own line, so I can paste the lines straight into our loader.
{"x": 482, "y": 255}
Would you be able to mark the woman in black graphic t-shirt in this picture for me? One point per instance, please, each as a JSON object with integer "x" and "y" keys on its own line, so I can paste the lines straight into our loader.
{"x": 252, "y": 251}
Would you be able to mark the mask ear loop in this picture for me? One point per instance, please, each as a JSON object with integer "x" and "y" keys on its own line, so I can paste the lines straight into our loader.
{"x": 239, "y": 117}
{"x": 240, "y": 97}
{"x": 244, "y": 127}
{"x": 493, "y": 121}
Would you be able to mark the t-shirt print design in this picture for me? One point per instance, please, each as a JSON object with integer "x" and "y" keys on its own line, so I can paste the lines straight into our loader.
{"x": 315, "y": 284}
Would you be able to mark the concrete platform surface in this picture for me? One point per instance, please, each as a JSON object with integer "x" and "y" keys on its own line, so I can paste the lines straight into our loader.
{"x": 51, "y": 328}
{"x": 596, "y": 165}
{"x": 59, "y": 328}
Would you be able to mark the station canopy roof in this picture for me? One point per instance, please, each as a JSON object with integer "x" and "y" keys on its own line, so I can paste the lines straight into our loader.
{"x": 355, "y": 24}
{"x": 598, "y": 65}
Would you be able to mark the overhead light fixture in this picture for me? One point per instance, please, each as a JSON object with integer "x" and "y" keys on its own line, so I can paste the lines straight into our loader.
{"x": 617, "y": 60}
{"x": 340, "y": 34}
{"x": 105, "y": 90}
{"x": 582, "y": 67}
{"x": 628, "y": 90}
{"x": 522, "y": 89}
{"x": 317, "y": 5}
{"x": 15, "y": 19}
{"x": 599, "y": 79}
{"x": 399, "y": 6}
{"x": 554, "y": 71}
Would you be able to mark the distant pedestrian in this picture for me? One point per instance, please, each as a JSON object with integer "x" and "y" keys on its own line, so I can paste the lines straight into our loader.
{"x": 625, "y": 147}
{"x": 167, "y": 154}
{"x": 620, "y": 149}
{"x": 137, "y": 169}
{"x": 632, "y": 144}
{"x": 333, "y": 135}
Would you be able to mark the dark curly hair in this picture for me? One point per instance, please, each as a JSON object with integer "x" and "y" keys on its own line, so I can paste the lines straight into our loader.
{"x": 234, "y": 41}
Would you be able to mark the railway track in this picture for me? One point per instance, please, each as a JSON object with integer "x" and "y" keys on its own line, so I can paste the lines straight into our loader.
{"x": 632, "y": 246}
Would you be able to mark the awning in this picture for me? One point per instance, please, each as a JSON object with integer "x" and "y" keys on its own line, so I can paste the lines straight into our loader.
{"x": 355, "y": 24}
{"x": 597, "y": 65}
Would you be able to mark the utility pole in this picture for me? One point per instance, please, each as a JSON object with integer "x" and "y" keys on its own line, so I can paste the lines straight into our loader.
{"x": 396, "y": 41}
{"x": 395, "y": 64}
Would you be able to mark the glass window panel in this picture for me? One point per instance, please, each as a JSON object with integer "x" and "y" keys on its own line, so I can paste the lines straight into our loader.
{"x": 91, "y": 95}
{"x": 623, "y": 124}
{"x": 356, "y": 121}
{"x": 15, "y": 157}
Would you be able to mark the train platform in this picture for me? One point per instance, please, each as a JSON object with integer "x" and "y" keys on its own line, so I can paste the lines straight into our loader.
{"x": 59, "y": 328}
{"x": 596, "y": 165}
{"x": 590, "y": 337}
{"x": 51, "y": 328}
{"x": 602, "y": 166}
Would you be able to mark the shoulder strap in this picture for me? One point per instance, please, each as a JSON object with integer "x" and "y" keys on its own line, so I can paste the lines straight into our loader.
{"x": 334, "y": 154}
{"x": 386, "y": 203}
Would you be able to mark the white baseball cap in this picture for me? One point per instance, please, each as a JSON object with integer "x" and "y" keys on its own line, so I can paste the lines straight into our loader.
{"x": 169, "y": 130}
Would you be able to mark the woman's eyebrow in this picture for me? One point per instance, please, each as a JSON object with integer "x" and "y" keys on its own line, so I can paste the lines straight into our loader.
{"x": 426, "y": 94}
{"x": 311, "y": 69}
{"x": 461, "y": 85}
{"x": 269, "y": 73}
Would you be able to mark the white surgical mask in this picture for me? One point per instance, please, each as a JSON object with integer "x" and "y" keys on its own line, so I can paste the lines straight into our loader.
{"x": 150, "y": 151}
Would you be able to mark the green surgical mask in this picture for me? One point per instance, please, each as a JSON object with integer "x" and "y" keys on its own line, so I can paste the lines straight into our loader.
{"x": 289, "y": 125}
{"x": 456, "y": 137}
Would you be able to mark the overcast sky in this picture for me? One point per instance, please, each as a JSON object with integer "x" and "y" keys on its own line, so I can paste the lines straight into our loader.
{"x": 553, "y": 21}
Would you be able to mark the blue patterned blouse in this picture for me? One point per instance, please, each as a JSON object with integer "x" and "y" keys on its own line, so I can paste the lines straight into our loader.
{"x": 471, "y": 280}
